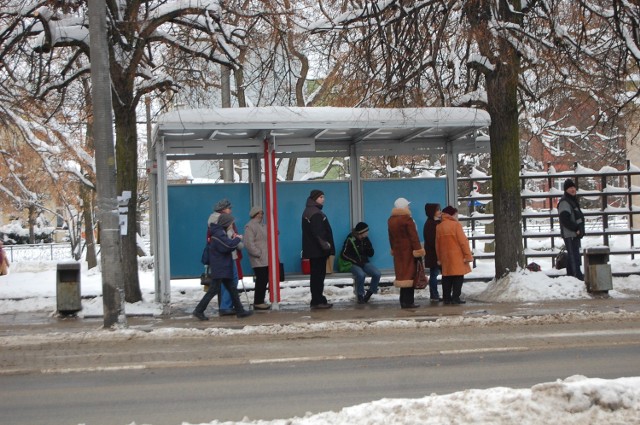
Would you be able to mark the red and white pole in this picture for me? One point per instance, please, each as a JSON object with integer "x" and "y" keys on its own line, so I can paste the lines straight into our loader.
{"x": 272, "y": 221}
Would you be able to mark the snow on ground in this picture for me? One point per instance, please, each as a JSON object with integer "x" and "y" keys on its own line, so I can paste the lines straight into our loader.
{"x": 576, "y": 400}
{"x": 31, "y": 287}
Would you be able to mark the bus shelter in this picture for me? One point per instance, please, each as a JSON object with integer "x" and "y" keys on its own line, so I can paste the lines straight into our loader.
{"x": 261, "y": 134}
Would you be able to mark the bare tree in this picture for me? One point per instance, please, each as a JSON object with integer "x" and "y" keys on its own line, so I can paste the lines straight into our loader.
{"x": 500, "y": 56}
{"x": 140, "y": 33}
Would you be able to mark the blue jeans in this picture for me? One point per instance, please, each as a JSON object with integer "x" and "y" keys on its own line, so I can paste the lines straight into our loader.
{"x": 360, "y": 274}
{"x": 225, "y": 300}
{"x": 433, "y": 282}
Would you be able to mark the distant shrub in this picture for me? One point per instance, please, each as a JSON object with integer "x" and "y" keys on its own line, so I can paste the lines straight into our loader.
{"x": 15, "y": 234}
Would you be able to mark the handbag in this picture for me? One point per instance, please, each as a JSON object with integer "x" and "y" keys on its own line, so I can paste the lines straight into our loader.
{"x": 205, "y": 278}
{"x": 420, "y": 280}
{"x": 561, "y": 259}
{"x": 344, "y": 266}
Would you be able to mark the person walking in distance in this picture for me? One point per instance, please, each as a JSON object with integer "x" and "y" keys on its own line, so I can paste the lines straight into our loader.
{"x": 571, "y": 227}
{"x": 255, "y": 241}
{"x": 454, "y": 255}
{"x": 221, "y": 267}
{"x": 405, "y": 248}
{"x": 434, "y": 216}
{"x": 317, "y": 246}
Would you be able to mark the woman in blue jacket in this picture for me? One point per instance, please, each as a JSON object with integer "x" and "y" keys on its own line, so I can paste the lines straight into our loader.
{"x": 221, "y": 267}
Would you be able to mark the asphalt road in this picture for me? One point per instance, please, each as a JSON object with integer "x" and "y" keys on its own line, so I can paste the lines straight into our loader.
{"x": 197, "y": 380}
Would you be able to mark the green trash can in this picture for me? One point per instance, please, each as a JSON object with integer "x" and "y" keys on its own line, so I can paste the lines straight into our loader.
{"x": 597, "y": 270}
{"x": 68, "y": 288}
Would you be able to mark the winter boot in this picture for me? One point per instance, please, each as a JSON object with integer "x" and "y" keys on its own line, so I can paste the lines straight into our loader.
{"x": 367, "y": 296}
{"x": 243, "y": 313}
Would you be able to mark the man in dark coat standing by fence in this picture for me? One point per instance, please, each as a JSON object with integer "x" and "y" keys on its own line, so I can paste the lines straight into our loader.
{"x": 571, "y": 227}
{"x": 317, "y": 246}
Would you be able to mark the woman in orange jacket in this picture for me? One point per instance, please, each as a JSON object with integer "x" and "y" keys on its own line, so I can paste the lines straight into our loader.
{"x": 454, "y": 255}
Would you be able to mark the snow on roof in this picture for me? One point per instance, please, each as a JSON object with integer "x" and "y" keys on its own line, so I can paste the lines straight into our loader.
{"x": 376, "y": 130}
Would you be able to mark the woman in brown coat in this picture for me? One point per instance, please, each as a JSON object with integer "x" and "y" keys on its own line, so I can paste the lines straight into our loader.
{"x": 454, "y": 255}
{"x": 405, "y": 248}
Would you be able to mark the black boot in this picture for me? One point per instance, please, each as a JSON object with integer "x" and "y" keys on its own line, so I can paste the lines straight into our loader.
{"x": 199, "y": 315}
{"x": 243, "y": 313}
{"x": 367, "y": 296}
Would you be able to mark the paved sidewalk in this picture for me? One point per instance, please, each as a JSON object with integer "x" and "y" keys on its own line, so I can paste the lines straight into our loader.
{"x": 180, "y": 317}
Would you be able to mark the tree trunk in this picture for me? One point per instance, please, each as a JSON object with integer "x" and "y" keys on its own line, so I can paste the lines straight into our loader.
{"x": 31, "y": 220}
{"x": 127, "y": 180}
{"x": 86, "y": 195}
{"x": 505, "y": 161}
{"x": 110, "y": 243}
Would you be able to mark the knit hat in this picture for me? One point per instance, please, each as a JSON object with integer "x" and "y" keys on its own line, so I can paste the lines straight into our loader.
{"x": 361, "y": 228}
{"x": 401, "y": 203}
{"x": 255, "y": 210}
{"x": 225, "y": 220}
{"x": 315, "y": 194}
{"x": 450, "y": 210}
{"x": 568, "y": 183}
{"x": 222, "y": 204}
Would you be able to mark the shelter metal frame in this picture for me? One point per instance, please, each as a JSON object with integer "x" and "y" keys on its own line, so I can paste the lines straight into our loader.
{"x": 254, "y": 133}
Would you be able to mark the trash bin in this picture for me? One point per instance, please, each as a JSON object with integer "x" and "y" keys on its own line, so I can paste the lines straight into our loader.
{"x": 597, "y": 270}
{"x": 68, "y": 288}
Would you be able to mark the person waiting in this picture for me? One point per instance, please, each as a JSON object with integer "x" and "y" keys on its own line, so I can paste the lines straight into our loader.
{"x": 354, "y": 257}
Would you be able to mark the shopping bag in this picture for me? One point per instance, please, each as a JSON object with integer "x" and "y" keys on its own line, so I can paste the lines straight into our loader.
{"x": 330, "y": 261}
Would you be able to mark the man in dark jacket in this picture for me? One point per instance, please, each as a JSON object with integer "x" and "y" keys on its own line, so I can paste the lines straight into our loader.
{"x": 317, "y": 246}
{"x": 434, "y": 216}
{"x": 357, "y": 249}
{"x": 571, "y": 227}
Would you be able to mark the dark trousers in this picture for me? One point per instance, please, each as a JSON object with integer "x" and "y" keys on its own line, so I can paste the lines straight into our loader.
{"x": 316, "y": 280}
{"x": 574, "y": 260}
{"x": 262, "y": 279}
{"x": 407, "y": 296}
{"x": 451, "y": 287}
{"x": 433, "y": 282}
{"x": 214, "y": 289}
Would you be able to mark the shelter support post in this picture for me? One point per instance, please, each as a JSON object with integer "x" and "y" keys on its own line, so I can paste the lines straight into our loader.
{"x": 272, "y": 221}
{"x": 163, "y": 285}
{"x": 256, "y": 181}
{"x": 452, "y": 179}
{"x": 355, "y": 184}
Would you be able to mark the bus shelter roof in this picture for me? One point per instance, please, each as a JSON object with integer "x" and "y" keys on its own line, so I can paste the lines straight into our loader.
{"x": 319, "y": 131}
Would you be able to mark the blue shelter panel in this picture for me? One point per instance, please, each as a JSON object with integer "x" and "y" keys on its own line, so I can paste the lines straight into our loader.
{"x": 378, "y": 198}
{"x": 292, "y": 199}
{"x": 189, "y": 209}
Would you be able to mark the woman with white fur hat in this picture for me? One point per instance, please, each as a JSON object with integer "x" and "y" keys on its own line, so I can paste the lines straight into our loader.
{"x": 255, "y": 241}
